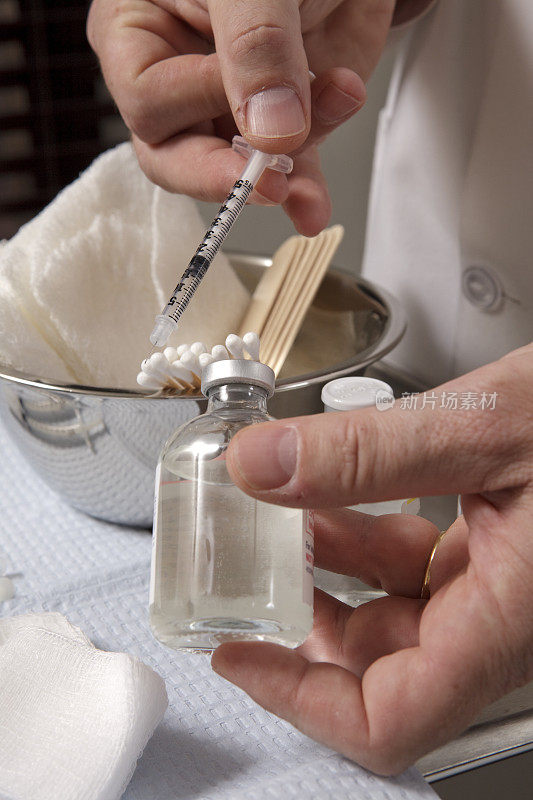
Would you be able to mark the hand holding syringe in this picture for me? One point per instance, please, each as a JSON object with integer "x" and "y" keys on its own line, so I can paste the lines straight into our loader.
{"x": 167, "y": 321}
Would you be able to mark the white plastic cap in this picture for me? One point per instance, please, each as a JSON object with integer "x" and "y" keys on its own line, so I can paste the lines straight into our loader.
{"x": 346, "y": 394}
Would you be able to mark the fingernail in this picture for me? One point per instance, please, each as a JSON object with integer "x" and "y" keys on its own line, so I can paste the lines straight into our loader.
{"x": 266, "y": 456}
{"x": 275, "y": 112}
{"x": 332, "y": 104}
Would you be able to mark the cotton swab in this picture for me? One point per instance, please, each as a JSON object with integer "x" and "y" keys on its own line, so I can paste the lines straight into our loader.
{"x": 239, "y": 347}
{"x": 181, "y": 368}
{"x": 198, "y": 348}
{"x": 181, "y": 373}
{"x": 220, "y": 353}
{"x": 251, "y": 343}
{"x": 156, "y": 365}
{"x": 190, "y": 361}
{"x": 156, "y": 372}
{"x": 205, "y": 359}
{"x": 235, "y": 345}
{"x": 171, "y": 354}
{"x": 148, "y": 381}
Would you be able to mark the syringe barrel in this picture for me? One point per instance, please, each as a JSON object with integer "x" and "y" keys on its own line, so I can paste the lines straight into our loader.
{"x": 163, "y": 327}
{"x": 167, "y": 321}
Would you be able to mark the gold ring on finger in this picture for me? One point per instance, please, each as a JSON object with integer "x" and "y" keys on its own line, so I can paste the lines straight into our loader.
{"x": 424, "y": 594}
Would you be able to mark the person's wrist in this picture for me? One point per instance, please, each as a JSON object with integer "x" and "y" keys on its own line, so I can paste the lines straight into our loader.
{"x": 407, "y": 11}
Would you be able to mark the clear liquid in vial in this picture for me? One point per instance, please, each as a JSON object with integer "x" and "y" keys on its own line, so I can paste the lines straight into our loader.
{"x": 226, "y": 567}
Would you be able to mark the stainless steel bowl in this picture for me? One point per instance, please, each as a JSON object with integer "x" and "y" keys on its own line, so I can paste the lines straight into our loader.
{"x": 98, "y": 448}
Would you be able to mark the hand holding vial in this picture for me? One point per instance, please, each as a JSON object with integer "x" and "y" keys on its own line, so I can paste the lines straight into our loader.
{"x": 396, "y": 677}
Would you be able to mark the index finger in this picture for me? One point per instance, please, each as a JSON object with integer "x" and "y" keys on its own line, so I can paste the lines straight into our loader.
{"x": 348, "y": 457}
{"x": 264, "y": 69}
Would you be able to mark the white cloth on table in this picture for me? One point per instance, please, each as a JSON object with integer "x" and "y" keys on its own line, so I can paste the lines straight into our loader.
{"x": 73, "y": 719}
{"x": 81, "y": 283}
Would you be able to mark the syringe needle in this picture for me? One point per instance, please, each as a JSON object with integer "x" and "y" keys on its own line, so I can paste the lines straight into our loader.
{"x": 167, "y": 321}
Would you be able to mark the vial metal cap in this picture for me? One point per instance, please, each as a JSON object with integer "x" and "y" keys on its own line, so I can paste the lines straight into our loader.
{"x": 346, "y": 394}
{"x": 238, "y": 371}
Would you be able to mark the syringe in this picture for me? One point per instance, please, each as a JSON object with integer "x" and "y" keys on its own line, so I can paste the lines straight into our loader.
{"x": 167, "y": 321}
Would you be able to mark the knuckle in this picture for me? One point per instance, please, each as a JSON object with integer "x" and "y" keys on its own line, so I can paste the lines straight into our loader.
{"x": 145, "y": 162}
{"x": 385, "y": 760}
{"x": 264, "y": 42}
{"x": 140, "y": 117}
{"x": 211, "y": 87}
{"x": 100, "y": 18}
{"x": 354, "y": 452}
{"x": 504, "y": 433}
{"x": 349, "y": 459}
{"x": 385, "y": 752}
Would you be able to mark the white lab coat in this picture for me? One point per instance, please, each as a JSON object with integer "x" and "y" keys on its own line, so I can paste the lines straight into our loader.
{"x": 453, "y": 187}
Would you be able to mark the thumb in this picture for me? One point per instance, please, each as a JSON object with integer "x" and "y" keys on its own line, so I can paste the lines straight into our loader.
{"x": 264, "y": 69}
{"x": 343, "y": 458}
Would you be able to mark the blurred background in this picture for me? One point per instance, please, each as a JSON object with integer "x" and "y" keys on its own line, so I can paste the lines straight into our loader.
{"x": 56, "y": 116}
{"x": 55, "y": 113}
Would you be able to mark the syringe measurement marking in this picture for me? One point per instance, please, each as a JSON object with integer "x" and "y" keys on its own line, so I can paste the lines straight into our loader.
{"x": 214, "y": 238}
{"x": 208, "y": 248}
{"x": 187, "y": 294}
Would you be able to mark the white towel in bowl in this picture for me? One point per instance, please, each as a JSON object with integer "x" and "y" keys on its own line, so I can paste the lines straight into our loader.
{"x": 73, "y": 719}
{"x": 81, "y": 283}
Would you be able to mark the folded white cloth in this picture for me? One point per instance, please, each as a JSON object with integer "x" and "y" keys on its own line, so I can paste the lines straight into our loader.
{"x": 81, "y": 283}
{"x": 73, "y": 719}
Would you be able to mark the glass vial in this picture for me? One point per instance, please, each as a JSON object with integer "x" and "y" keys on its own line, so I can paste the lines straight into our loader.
{"x": 226, "y": 567}
{"x": 348, "y": 394}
